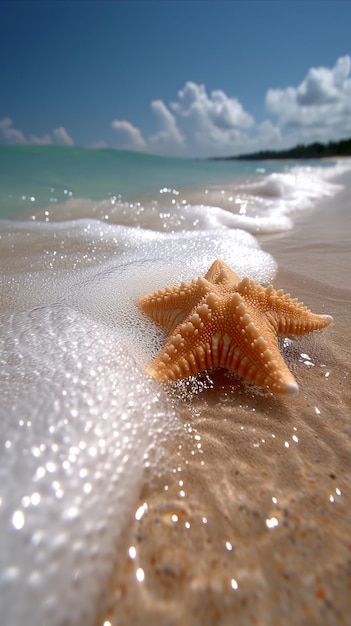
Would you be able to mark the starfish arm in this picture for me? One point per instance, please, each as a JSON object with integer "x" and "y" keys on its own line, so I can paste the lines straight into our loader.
{"x": 169, "y": 307}
{"x": 292, "y": 317}
{"x": 285, "y": 314}
{"x": 252, "y": 350}
{"x": 221, "y": 273}
{"x": 188, "y": 350}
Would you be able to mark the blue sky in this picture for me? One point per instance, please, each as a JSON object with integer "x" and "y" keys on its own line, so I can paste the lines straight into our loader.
{"x": 187, "y": 78}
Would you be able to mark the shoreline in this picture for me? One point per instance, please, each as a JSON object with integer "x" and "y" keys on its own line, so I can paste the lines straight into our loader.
{"x": 326, "y": 226}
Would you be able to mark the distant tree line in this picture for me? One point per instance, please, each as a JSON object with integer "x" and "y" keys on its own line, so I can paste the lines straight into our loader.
{"x": 311, "y": 151}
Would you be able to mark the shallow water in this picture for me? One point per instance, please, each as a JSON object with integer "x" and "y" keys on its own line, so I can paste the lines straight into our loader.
{"x": 34, "y": 176}
{"x": 182, "y": 504}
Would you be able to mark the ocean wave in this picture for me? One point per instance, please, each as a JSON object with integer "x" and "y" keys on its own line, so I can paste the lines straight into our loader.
{"x": 269, "y": 204}
{"x": 298, "y": 189}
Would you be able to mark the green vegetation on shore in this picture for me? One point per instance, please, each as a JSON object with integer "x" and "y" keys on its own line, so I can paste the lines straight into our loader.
{"x": 311, "y": 151}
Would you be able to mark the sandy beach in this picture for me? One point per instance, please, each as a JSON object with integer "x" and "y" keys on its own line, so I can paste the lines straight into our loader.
{"x": 248, "y": 520}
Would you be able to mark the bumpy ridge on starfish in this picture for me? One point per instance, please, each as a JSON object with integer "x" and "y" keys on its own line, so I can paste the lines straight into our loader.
{"x": 220, "y": 321}
{"x": 168, "y": 307}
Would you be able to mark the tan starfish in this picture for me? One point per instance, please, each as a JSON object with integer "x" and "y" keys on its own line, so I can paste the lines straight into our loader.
{"x": 222, "y": 321}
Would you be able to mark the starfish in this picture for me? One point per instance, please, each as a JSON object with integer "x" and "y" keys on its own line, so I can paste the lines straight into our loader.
{"x": 222, "y": 321}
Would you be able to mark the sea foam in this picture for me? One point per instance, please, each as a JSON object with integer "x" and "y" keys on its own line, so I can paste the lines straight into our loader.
{"x": 284, "y": 194}
{"x": 266, "y": 205}
{"x": 80, "y": 421}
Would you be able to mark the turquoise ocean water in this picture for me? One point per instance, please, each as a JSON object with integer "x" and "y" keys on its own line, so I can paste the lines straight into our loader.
{"x": 33, "y": 176}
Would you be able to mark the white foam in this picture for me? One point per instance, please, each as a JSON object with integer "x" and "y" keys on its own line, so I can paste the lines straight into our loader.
{"x": 170, "y": 219}
{"x": 265, "y": 206}
{"x": 79, "y": 418}
{"x": 282, "y": 194}
{"x": 65, "y": 257}
{"x": 204, "y": 217}
{"x": 73, "y": 450}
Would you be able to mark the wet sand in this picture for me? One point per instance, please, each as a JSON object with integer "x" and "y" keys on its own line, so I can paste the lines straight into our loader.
{"x": 248, "y": 521}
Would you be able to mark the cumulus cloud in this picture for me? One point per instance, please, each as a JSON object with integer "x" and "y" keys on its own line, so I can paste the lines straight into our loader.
{"x": 213, "y": 123}
{"x": 9, "y": 134}
{"x": 217, "y": 110}
{"x": 169, "y": 135}
{"x": 62, "y": 137}
{"x": 319, "y": 108}
{"x": 202, "y": 123}
{"x": 196, "y": 124}
{"x": 45, "y": 140}
{"x": 267, "y": 135}
{"x": 130, "y": 136}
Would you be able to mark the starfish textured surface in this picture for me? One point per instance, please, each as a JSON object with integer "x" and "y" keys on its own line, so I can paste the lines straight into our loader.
{"x": 222, "y": 321}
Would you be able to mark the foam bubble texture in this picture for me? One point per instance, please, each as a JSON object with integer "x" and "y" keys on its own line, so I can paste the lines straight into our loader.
{"x": 79, "y": 418}
{"x": 103, "y": 269}
{"x": 296, "y": 190}
{"x": 78, "y": 421}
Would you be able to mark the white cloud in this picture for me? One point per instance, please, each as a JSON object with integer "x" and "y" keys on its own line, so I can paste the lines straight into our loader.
{"x": 200, "y": 125}
{"x": 319, "y": 108}
{"x": 10, "y": 134}
{"x": 62, "y": 137}
{"x": 267, "y": 136}
{"x": 218, "y": 110}
{"x": 209, "y": 124}
{"x": 45, "y": 140}
{"x": 130, "y": 135}
{"x": 13, "y": 135}
{"x": 169, "y": 135}
{"x": 214, "y": 123}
